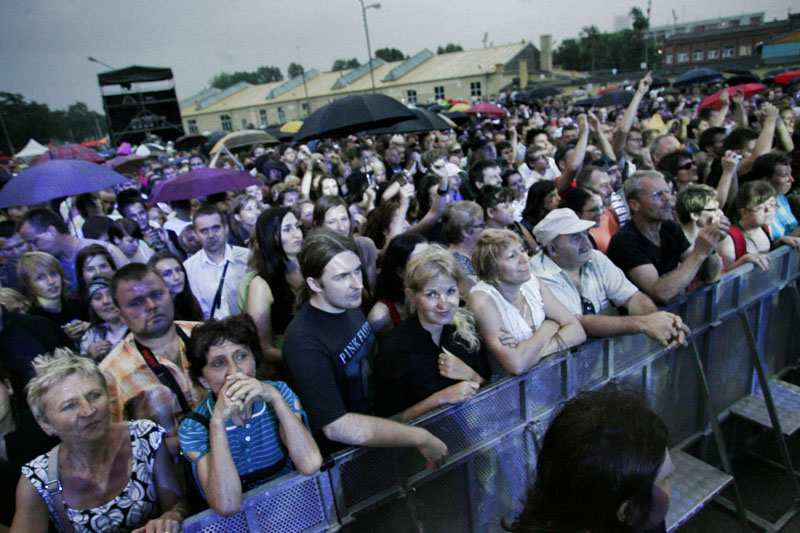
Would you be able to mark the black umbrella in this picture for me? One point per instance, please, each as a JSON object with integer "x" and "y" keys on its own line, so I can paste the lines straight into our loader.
{"x": 538, "y": 93}
{"x": 459, "y": 117}
{"x": 275, "y": 131}
{"x": 425, "y": 121}
{"x": 741, "y": 76}
{"x": 621, "y": 97}
{"x": 768, "y": 75}
{"x": 187, "y": 142}
{"x": 212, "y": 140}
{"x": 353, "y": 114}
{"x": 659, "y": 81}
{"x": 697, "y": 76}
{"x": 586, "y": 102}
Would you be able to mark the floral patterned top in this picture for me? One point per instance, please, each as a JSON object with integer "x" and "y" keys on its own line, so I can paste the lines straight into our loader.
{"x": 134, "y": 506}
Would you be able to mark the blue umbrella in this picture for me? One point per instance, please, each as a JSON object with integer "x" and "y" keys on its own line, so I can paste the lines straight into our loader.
{"x": 57, "y": 178}
{"x": 697, "y": 76}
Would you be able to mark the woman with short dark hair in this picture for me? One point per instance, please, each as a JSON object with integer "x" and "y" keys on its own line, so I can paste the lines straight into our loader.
{"x": 246, "y": 431}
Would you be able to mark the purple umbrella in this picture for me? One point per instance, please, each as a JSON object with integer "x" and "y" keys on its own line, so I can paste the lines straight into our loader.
{"x": 202, "y": 182}
{"x": 55, "y": 179}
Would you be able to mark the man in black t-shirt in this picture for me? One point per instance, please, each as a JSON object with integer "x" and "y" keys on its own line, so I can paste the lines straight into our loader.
{"x": 651, "y": 248}
{"x": 326, "y": 348}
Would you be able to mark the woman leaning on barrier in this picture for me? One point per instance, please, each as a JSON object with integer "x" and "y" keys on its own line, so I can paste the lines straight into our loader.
{"x": 103, "y": 476}
{"x": 518, "y": 318}
{"x": 433, "y": 358}
{"x": 247, "y": 431}
{"x": 604, "y": 466}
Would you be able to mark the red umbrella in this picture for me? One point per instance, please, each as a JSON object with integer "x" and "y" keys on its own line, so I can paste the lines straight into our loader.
{"x": 69, "y": 151}
{"x": 608, "y": 90}
{"x": 454, "y": 102}
{"x": 486, "y": 108}
{"x": 202, "y": 182}
{"x": 749, "y": 89}
{"x": 786, "y": 77}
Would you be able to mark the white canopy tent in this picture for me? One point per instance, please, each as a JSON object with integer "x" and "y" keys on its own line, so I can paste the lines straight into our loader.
{"x": 31, "y": 150}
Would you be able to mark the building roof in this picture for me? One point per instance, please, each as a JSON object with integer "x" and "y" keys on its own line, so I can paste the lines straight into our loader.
{"x": 468, "y": 63}
{"x": 790, "y": 38}
{"x": 690, "y": 23}
{"x": 732, "y": 30}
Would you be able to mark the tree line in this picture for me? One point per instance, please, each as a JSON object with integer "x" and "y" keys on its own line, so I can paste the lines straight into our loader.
{"x": 623, "y": 50}
{"x": 24, "y": 120}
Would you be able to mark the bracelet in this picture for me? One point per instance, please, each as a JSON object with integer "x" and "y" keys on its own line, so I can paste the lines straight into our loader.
{"x": 441, "y": 192}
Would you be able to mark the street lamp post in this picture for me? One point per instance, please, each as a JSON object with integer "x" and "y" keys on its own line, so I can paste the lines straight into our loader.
{"x": 93, "y": 60}
{"x": 366, "y": 31}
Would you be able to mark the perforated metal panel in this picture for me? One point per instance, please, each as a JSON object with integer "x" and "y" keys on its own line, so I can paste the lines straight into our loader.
{"x": 297, "y": 509}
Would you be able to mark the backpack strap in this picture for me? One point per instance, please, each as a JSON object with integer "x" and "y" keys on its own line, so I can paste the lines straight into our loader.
{"x": 55, "y": 490}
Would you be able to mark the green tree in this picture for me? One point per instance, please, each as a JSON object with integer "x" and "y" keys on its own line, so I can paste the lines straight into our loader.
{"x": 344, "y": 64}
{"x": 25, "y": 120}
{"x": 449, "y": 48}
{"x": 294, "y": 70}
{"x": 263, "y": 74}
{"x": 638, "y": 20}
{"x": 389, "y": 54}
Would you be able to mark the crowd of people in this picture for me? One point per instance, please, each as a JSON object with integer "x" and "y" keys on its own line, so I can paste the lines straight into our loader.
{"x": 178, "y": 354}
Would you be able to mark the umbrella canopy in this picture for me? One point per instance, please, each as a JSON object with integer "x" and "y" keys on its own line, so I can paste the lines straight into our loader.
{"x": 31, "y": 150}
{"x": 659, "y": 81}
{"x": 425, "y": 121}
{"x": 69, "y": 151}
{"x": 202, "y": 182}
{"x": 187, "y": 142}
{"x": 293, "y": 126}
{"x": 353, "y": 114}
{"x": 212, "y": 140}
{"x": 459, "y": 107}
{"x": 126, "y": 163}
{"x": 749, "y": 89}
{"x": 621, "y": 97}
{"x": 740, "y": 79}
{"x": 697, "y": 76}
{"x": 485, "y": 108}
{"x": 586, "y": 102}
{"x": 608, "y": 90}
{"x": 786, "y": 77}
{"x": 146, "y": 149}
{"x": 538, "y": 93}
{"x": 456, "y": 102}
{"x": 242, "y": 138}
{"x": 276, "y": 132}
{"x": 57, "y": 178}
{"x": 459, "y": 117}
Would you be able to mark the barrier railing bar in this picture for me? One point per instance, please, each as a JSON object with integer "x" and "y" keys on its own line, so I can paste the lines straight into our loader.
{"x": 765, "y": 390}
{"x": 718, "y": 436}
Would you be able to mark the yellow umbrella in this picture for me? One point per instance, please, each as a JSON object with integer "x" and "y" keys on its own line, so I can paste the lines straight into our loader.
{"x": 292, "y": 126}
{"x": 459, "y": 107}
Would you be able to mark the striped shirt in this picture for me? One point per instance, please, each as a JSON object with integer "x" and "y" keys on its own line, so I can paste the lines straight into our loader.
{"x": 254, "y": 446}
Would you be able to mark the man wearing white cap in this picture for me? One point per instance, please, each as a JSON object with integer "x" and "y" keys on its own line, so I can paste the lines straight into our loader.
{"x": 587, "y": 283}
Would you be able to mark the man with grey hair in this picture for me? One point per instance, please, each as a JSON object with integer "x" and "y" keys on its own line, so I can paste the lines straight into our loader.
{"x": 663, "y": 145}
{"x": 588, "y": 284}
{"x": 651, "y": 248}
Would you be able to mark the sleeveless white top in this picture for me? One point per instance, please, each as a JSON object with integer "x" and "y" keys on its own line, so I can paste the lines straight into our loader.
{"x": 512, "y": 319}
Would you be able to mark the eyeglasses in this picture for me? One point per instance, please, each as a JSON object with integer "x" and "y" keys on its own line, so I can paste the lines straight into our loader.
{"x": 770, "y": 205}
{"x": 587, "y": 307}
{"x": 665, "y": 193}
{"x": 687, "y": 166}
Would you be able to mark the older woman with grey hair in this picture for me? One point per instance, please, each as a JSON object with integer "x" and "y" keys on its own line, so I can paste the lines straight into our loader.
{"x": 103, "y": 476}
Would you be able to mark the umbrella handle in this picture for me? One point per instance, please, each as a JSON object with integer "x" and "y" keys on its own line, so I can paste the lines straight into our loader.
{"x": 225, "y": 150}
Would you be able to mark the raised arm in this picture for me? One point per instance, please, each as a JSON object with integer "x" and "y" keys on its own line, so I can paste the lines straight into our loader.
{"x": 621, "y": 135}
{"x": 765, "y": 138}
{"x": 605, "y": 146}
{"x": 725, "y": 105}
{"x": 564, "y": 182}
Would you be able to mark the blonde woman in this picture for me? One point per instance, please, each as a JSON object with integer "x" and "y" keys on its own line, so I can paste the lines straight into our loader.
{"x": 518, "y": 318}
{"x": 434, "y": 357}
{"x": 113, "y": 476}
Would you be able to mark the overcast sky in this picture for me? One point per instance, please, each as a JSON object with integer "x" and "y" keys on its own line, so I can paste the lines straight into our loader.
{"x": 44, "y": 45}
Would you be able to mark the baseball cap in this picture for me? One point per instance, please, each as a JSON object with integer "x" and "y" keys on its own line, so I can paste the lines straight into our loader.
{"x": 562, "y": 221}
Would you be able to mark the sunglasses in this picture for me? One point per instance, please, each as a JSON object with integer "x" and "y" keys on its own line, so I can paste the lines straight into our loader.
{"x": 587, "y": 307}
{"x": 687, "y": 166}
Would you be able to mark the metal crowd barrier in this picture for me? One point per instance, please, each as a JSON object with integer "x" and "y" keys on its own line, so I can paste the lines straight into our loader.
{"x": 493, "y": 438}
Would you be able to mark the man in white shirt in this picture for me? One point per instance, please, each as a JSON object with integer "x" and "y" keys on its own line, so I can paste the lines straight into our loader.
{"x": 588, "y": 284}
{"x": 215, "y": 271}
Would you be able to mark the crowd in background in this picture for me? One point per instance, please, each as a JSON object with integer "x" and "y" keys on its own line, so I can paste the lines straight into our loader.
{"x": 365, "y": 281}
